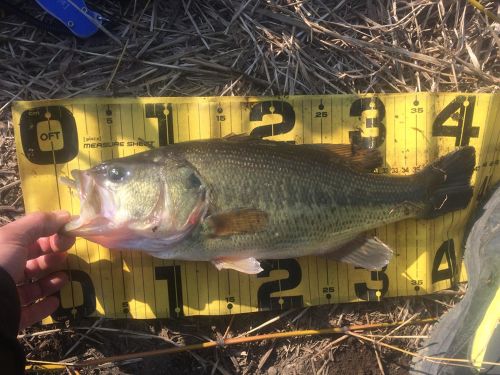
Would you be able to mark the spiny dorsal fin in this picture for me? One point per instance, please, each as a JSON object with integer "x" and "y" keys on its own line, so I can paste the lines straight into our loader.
{"x": 239, "y": 221}
{"x": 242, "y": 137}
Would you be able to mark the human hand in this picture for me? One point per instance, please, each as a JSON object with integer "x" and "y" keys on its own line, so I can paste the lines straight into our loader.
{"x": 32, "y": 252}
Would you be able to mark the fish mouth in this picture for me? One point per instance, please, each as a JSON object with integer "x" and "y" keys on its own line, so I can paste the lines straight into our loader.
{"x": 99, "y": 220}
{"x": 96, "y": 205}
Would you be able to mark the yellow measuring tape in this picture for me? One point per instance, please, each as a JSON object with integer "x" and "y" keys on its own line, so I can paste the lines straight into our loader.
{"x": 55, "y": 136}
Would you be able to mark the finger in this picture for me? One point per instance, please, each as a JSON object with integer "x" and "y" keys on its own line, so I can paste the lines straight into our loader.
{"x": 44, "y": 265}
{"x": 56, "y": 242}
{"x": 31, "y": 227}
{"x": 29, "y": 293}
{"x": 36, "y": 312}
{"x": 61, "y": 242}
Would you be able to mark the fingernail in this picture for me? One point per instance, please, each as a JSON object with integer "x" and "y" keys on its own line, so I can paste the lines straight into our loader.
{"x": 62, "y": 215}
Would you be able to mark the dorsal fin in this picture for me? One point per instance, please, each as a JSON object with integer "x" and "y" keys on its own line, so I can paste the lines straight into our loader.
{"x": 362, "y": 159}
{"x": 242, "y": 137}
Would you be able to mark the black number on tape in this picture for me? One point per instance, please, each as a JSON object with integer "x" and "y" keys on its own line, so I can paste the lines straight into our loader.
{"x": 363, "y": 292}
{"x": 447, "y": 251}
{"x": 375, "y": 114}
{"x": 174, "y": 288}
{"x": 48, "y": 135}
{"x": 282, "y": 108}
{"x": 109, "y": 114}
{"x": 88, "y": 305}
{"x": 165, "y": 118}
{"x": 266, "y": 302}
{"x": 463, "y": 131}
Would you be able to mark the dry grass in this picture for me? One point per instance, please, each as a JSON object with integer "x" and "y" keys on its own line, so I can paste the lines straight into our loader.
{"x": 252, "y": 47}
{"x": 183, "y": 47}
{"x": 344, "y": 353}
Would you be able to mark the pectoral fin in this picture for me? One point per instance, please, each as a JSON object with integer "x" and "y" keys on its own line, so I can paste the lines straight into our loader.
{"x": 240, "y": 221}
{"x": 366, "y": 252}
{"x": 245, "y": 265}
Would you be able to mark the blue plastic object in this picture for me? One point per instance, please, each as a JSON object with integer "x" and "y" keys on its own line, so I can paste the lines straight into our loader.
{"x": 75, "y": 15}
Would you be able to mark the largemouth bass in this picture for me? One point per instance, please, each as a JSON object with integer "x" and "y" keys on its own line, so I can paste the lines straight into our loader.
{"x": 235, "y": 200}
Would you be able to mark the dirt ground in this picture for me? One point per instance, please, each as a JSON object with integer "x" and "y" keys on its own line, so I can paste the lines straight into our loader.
{"x": 331, "y": 354}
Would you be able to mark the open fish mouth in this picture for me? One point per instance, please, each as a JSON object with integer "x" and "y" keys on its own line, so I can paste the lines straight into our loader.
{"x": 96, "y": 205}
{"x": 100, "y": 220}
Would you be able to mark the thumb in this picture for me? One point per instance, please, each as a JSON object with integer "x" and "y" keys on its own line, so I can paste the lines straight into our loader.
{"x": 31, "y": 227}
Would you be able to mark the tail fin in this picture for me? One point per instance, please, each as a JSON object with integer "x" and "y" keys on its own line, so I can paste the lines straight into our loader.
{"x": 448, "y": 182}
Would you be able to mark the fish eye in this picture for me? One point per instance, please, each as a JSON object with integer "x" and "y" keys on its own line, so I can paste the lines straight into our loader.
{"x": 116, "y": 174}
{"x": 193, "y": 182}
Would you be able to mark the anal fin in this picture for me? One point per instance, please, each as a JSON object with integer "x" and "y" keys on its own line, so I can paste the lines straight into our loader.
{"x": 363, "y": 251}
{"x": 245, "y": 265}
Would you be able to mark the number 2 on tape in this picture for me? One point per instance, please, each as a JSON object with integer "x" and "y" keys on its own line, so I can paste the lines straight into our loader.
{"x": 266, "y": 302}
